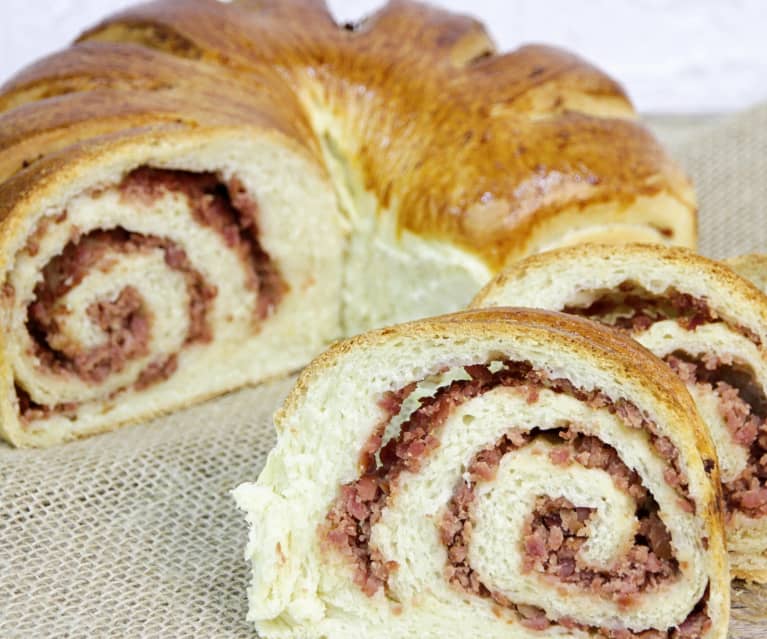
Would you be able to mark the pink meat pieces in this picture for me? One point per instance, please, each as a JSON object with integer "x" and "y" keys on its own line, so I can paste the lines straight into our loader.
{"x": 555, "y": 533}
{"x": 30, "y": 410}
{"x": 743, "y": 407}
{"x": 125, "y": 321}
{"x": 157, "y": 371}
{"x": 419, "y": 437}
{"x": 558, "y": 529}
{"x": 227, "y": 208}
{"x": 353, "y": 516}
{"x": 360, "y": 503}
{"x": 634, "y": 309}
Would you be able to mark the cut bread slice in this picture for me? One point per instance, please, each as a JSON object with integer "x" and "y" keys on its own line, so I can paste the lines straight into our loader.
{"x": 708, "y": 323}
{"x": 494, "y": 473}
{"x": 150, "y": 271}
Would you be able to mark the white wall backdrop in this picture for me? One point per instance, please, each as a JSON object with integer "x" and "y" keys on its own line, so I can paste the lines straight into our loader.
{"x": 671, "y": 55}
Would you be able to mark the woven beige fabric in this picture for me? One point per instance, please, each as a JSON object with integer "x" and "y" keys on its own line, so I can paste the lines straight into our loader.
{"x": 728, "y": 163}
{"x": 134, "y": 534}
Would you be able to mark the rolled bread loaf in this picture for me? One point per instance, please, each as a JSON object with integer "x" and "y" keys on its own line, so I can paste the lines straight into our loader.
{"x": 199, "y": 195}
{"x": 500, "y": 473}
{"x": 706, "y": 322}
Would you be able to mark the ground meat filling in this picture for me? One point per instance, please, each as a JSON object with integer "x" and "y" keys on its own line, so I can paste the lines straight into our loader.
{"x": 227, "y": 208}
{"x": 125, "y": 321}
{"x": 360, "y": 503}
{"x": 224, "y": 206}
{"x": 29, "y": 410}
{"x": 557, "y": 529}
{"x": 555, "y": 532}
{"x": 743, "y": 406}
{"x": 633, "y": 308}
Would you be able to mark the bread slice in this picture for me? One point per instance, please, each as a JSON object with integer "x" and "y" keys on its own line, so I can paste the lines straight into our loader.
{"x": 494, "y": 473}
{"x": 706, "y": 321}
{"x": 134, "y": 290}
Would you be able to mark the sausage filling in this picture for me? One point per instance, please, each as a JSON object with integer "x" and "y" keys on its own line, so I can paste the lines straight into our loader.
{"x": 359, "y": 504}
{"x": 743, "y": 406}
{"x": 126, "y": 321}
{"x": 227, "y": 208}
{"x": 634, "y": 309}
{"x": 556, "y": 531}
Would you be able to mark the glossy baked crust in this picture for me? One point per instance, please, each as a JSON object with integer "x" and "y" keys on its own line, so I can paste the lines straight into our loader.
{"x": 498, "y": 154}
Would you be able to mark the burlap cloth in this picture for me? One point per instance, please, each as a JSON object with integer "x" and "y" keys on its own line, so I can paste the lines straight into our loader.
{"x": 134, "y": 534}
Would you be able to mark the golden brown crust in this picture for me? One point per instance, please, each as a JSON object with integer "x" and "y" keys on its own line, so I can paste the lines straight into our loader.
{"x": 96, "y": 89}
{"x": 524, "y": 131}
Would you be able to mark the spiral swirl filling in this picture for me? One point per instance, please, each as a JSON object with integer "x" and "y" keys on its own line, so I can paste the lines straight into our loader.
{"x": 556, "y": 531}
{"x": 742, "y": 404}
{"x": 633, "y": 308}
{"x": 126, "y": 320}
{"x": 740, "y": 400}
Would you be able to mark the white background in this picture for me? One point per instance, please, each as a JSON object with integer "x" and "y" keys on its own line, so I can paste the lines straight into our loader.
{"x": 673, "y": 56}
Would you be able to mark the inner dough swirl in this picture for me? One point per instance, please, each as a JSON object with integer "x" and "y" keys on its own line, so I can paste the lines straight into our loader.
{"x": 109, "y": 292}
{"x": 464, "y": 499}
